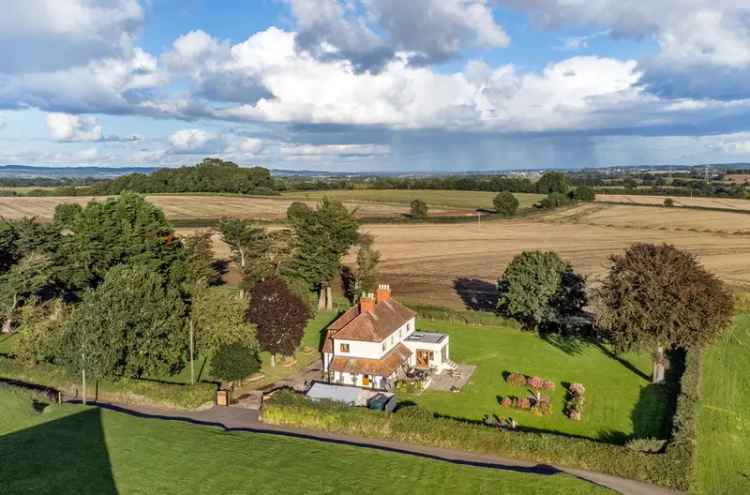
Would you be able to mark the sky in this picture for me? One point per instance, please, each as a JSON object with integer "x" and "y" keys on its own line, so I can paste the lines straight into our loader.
{"x": 375, "y": 85}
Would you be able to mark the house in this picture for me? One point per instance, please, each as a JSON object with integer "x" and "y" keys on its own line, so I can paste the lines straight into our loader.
{"x": 375, "y": 342}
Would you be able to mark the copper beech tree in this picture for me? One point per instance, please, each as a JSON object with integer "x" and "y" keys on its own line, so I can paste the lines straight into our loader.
{"x": 658, "y": 298}
{"x": 279, "y": 315}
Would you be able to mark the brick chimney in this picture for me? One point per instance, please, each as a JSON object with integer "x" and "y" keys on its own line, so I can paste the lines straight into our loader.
{"x": 384, "y": 293}
{"x": 367, "y": 303}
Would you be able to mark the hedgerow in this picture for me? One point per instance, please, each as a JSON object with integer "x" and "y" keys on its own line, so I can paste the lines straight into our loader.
{"x": 122, "y": 391}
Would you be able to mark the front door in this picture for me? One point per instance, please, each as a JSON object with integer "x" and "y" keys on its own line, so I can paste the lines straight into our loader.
{"x": 365, "y": 380}
{"x": 423, "y": 358}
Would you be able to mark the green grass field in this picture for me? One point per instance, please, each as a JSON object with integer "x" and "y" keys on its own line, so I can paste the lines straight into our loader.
{"x": 620, "y": 401}
{"x": 723, "y": 432}
{"x": 433, "y": 198}
{"x": 72, "y": 450}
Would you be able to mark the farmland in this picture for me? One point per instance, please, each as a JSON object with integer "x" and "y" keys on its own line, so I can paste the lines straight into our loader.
{"x": 434, "y": 198}
{"x": 192, "y": 207}
{"x": 720, "y": 203}
{"x": 425, "y": 262}
{"x": 73, "y": 449}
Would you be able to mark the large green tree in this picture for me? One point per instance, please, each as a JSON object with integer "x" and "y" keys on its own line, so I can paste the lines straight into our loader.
{"x": 553, "y": 182}
{"x": 419, "y": 209}
{"x": 20, "y": 284}
{"x": 541, "y": 290}
{"x": 123, "y": 230}
{"x": 280, "y": 317}
{"x": 246, "y": 240}
{"x": 659, "y": 297}
{"x": 234, "y": 362}
{"x": 321, "y": 238}
{"x": 136, "y": 319}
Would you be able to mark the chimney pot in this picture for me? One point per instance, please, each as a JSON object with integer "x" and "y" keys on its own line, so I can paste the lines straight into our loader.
{"x": 384, "y": 293}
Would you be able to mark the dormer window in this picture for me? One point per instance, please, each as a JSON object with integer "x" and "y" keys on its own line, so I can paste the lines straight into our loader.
{"x": 344, "y": 348}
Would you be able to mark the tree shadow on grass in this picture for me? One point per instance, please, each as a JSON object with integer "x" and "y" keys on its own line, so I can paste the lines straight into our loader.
{"x": 63, "y": 456}
{"x": 627, "y": 364}
{"x": 653, "y": 413}
{"x": 476, "y": 294}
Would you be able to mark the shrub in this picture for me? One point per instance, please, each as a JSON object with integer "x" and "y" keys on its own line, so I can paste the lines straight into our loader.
{"x": 419, "y": 209}
{"x": 233, "y": 362}
{"x": 506, "y": 402}
{"x": 584, "y": 193}
{"x": 535, "y": 382}
{"x": 505, "y": 204}
{"x": 523, "y": 403}
{"x": 577, "y": 389}
{"x": 548, "y": 385}
{"x": 669, "y": 202}
{"x": 648, "y": 445}
{"x": 516, "y": 379}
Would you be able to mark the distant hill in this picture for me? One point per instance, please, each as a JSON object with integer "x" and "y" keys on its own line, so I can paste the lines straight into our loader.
{"x": 33, "y": 172}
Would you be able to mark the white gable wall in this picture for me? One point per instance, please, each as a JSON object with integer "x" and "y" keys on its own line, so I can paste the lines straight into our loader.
{"x": 374, "y": 350}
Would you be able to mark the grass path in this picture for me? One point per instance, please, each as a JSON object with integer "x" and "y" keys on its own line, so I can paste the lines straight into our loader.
{"x": 723, "y": 432}
{"x": 73, "y": 449}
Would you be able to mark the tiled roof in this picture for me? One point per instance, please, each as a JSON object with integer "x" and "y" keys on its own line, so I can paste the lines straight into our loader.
{"x": 380, "y": 367}
{"x": 387, "y": 317}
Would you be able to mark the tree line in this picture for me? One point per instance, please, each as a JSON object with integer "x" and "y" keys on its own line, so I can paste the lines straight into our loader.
{"x": 110, "y": 290}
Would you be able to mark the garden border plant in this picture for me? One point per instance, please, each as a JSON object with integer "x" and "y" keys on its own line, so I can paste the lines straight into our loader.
{"x": 672, "y": 468}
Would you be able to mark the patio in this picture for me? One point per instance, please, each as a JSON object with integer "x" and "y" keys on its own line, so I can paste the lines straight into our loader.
{"x": 452, "y": 380}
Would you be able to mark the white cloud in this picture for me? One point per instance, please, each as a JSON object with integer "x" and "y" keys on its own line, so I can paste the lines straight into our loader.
{"x": 49, "y": 35}
{"x": 694, "y": 38}
{"x": 195, "y": 141}
{"x": 370, "y": 33}
{"x": 64, "y": 127}
{"x": 331, "y": 150}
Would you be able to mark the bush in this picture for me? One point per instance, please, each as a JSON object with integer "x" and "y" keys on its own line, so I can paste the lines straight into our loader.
{"x": 233, "y": 362}
{"x": 506, "y": 204}
{"x": 577, "y": 389}
{"x": 506, "y": 402}
{"x": 523, "y": 403}
{"x": 555, "y": 200}
{"x": 419, "y": 209}
{"x": 548, "y": 385}
{"x": 669, "y": 202}
{"x": 516, "y": 379}
{"x": 584, "y": 193}
{"x": 648, "y": 445}
{"x": 535, "y": 382}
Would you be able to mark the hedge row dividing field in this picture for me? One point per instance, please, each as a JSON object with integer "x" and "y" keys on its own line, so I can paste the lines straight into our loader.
{"x": 73, "y": 449}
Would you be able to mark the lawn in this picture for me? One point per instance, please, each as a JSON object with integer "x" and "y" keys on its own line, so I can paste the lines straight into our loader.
{"x": 723, "y": 430}
{"x": 620, "y": 401}
{"x": 433, "y": 198}
{"x": 72, "y": 449}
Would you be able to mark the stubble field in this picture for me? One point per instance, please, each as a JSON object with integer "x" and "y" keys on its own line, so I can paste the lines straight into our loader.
{"x": 190, "y": 207}
{"x": 440, "y": 263}
{"x": 722, "y": 203}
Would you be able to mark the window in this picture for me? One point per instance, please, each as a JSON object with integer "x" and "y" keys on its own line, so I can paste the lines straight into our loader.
{"x": 344, "y": 347}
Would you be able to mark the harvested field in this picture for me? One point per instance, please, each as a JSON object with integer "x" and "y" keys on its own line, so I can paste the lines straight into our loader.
{"x": 434, "y": 198}
{"x": 442, "y": 264}
{"x": 423, "y": 262}
{"x": 670, "y": 219}
{"x": 723, "y": 203}
{"x": 186, "y": 207}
